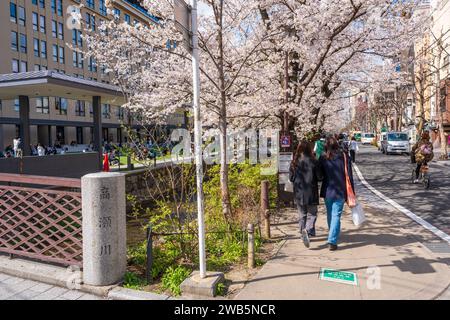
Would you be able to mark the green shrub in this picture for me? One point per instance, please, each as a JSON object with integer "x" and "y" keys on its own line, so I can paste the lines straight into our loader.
{"x": 173, "y": 277}
{"x": 133, "y": 281}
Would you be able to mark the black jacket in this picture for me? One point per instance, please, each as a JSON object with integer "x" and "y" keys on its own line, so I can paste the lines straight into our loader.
{"x": 305, "y": 177}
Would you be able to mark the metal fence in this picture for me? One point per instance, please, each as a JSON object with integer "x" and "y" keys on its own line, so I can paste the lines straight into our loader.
{"x": 40, "y": 218}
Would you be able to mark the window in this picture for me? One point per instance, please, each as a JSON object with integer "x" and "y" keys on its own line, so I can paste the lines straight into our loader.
{"x": 23, "y": 43}
{"x": 34, "y": 2}
{"x": 90, "y": 4}
{"x": 37, "y": 67}
{"x": 61, "y": 105}
{"x": 90, "y": 21}
{"x": 106, "y": 111}
{"x": 76, "y": 38}
{"x": 42, "y": 105}
{"x": 42, "y": 23}
{"x": 61, "y": 55}
{"x": 127, "y": 18}
{"x": 35, "y": 21}
{"x": 54, "y": 29}
{"x": 60, "y": 8}
{"x": 116, "y": 13}
{"x": 44, "y": 68}
{"x": 13, "y": 12}
{"x": 53, "y": 5}
{"x": 23, "y": 66}
{"x": 80, "y": 108}
{"x": 36, "y": 47}
{"x": 22, "y": 16}
{"x": 92, "y": 65}
{"x": 44, "y": 49}
{"x": 102, "y": 8}
{"x": 16, "y": 106}
{"x": 60, "y": 31}
{"x": 42, "y": 3}
{"x": 55, "y": 53}
{"x": 15, "y": 66}
{"x": 120, "y": 113}
{"x": 14, "y": 41}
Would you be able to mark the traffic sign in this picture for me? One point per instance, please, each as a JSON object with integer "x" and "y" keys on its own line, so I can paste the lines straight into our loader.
{"x": 338, "y": 276}
{"x": 285, "y": 141}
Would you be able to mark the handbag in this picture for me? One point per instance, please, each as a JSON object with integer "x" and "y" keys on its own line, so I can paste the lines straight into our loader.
{"x": 358, "y": 215}
{"x": 351, "y": 197}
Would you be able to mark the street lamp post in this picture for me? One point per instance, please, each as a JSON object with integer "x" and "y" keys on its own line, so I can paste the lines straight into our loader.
{"x": 186, "y": 22}
{"x": 198, "y": 139}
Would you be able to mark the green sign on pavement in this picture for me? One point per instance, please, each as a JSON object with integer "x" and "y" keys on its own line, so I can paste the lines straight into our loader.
{"x": 338, "y": 276}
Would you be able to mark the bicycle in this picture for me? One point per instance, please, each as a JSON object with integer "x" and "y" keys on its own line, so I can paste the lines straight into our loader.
{"x": 424, "y": 176}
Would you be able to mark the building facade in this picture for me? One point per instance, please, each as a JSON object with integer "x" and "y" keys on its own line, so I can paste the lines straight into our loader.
{"x": 36, "y": 35}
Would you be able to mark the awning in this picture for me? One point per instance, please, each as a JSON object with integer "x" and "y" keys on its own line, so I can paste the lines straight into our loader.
{"x": 54, "y": 84}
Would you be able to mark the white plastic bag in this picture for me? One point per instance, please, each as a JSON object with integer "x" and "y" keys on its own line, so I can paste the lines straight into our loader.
{"x": 358, "y": 215}
{"x": 289, "y": 187}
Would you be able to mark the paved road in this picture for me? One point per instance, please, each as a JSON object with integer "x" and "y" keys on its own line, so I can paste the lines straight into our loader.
{"x": 391, "y": 175}
{"x": 13, "y": 288}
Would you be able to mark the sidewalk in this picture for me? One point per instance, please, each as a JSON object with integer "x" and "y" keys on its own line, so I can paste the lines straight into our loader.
{"x": 388, "y": 240}
{"x": 14, "y": 288}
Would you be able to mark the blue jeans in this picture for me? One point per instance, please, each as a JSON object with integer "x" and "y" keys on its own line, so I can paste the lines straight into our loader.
{"x": 334, "y": 212}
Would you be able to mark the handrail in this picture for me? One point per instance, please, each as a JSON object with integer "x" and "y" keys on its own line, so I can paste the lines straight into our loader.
{"x": 41, "y": 180}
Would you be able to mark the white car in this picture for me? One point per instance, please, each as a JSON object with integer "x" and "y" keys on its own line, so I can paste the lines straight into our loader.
{"x": 367, "y": 138}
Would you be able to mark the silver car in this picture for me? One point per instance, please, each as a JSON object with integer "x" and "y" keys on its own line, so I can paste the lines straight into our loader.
{"x": 395, "y": 142}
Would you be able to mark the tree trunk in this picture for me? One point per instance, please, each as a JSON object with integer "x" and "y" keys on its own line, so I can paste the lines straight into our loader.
{"x": 225, "y": 192}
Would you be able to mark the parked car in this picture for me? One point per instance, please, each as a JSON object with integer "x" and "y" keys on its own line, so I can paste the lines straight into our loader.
{"x": 395, "y": 142}
{"x": 367, "y": 138}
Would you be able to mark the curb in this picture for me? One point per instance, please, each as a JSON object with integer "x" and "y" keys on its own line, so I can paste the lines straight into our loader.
{"x": 65, "y": 278}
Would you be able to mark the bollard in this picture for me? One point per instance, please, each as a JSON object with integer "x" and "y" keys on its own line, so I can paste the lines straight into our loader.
{"x": 148, "y": 271}
{"x": 104, "y": 228}
{"x": 265, "y": 214}
{"x": 251, "y": 246}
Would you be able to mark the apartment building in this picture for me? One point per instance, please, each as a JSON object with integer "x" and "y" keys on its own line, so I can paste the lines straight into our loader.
{"x": 34, "y": 35}
{"x": 441, "y": 30}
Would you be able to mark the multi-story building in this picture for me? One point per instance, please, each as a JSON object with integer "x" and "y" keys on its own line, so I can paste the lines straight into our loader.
{"x": 35, "y": 35}
{"x": 440, "y": 31}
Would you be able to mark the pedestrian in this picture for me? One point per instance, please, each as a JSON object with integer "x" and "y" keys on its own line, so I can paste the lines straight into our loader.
{"x": 319, "y": 146}
{"x": 332, "y": 165}
{"x": 16, "y": 147}
{"x": 353, "y": 148}
{"x": 40, "y": 150}
{"x": 305, "y": 173}
{"x": 423, "y": 152}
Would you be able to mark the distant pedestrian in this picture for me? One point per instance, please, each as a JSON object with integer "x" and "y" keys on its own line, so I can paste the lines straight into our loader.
{"x": 353, "y": 147}
{"x": 305, "y": 173}
{"x": 319, "y": 146}
{"x": 17, "y": 147}
{"x": 40, "y": 150}
{"x": 334, "y": 190}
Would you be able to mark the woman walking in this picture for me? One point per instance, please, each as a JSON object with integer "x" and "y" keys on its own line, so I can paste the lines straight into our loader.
{"x": 333, "y": 165}
{"x": 353, "y": 149}
{"x": 305, "y": 173}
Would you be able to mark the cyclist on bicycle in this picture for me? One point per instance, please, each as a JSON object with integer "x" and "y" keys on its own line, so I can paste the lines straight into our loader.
{"x": 423, "y": 151}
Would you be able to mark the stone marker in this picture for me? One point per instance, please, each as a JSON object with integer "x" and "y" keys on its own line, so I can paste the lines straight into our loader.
{"x": 104, "y": 228}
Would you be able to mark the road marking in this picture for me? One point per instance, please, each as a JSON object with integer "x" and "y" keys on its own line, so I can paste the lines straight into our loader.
{"x": 441, "y": 234}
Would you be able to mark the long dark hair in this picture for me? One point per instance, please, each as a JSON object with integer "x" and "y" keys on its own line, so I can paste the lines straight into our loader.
{"x": 331, "y": 148}
{"x": 303, "y": 148}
